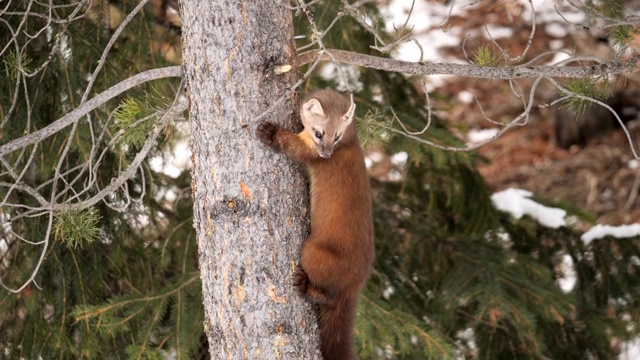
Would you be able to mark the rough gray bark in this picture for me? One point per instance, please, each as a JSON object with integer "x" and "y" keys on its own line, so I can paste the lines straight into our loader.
{"x": 250, "y": 204}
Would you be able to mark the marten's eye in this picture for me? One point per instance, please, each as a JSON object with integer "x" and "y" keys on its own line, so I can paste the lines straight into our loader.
{"x": 337, "y": 138}
{"x": 318, "y": 134}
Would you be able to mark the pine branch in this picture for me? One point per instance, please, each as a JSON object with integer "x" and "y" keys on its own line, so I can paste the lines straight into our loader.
{"x": 83, "y": 313}
{"x": 613, "y": 67}
{"x": 399, "y": 330}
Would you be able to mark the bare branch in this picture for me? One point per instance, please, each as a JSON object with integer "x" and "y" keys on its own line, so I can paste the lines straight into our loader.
{"x": 34, "y": 272}
{"x": 82, "y": 110}
{"x": 613, "y": 67}
{"x": 107, "y": 48}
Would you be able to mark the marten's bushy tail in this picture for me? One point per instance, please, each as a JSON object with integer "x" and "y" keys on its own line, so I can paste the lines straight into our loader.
{"x": 336, "y": 330}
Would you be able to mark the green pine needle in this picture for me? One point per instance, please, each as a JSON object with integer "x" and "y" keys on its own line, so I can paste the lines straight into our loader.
{"x": 149, "y": 316}
{"x": 12, "y": 65}
{"x": 621, "y": 35}
{"x": 134, "y": 121}
{"x": 142, "y": 352}
{"x": 485, "y": 57}
{"x": 587, "y": 88}
{"x": 373, "y": 128}
{"x": 77, "y": 226}
{"x": 402, "y": 333}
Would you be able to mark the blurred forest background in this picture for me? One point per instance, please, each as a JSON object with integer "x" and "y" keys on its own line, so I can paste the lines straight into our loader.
{"x": 454, "y": 277}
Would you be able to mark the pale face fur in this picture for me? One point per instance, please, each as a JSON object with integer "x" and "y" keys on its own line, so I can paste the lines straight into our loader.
{"x": 325, "y": 132}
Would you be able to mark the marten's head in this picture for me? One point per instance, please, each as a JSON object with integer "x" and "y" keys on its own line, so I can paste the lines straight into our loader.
{"x": 326, "y": 116}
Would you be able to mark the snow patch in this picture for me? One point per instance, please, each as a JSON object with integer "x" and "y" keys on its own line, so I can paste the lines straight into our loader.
{"x": 556, "y": 44}
{"x": 477, "y": 136}
{"x": 599, "y": 231}
{"x": 498, "y": 32}
{"x": 399, "y": 159}
{"x": 558, "y": 30}
{"x": 425, "y": 22}
{"x": 465, "y": 97}
{"x": 517, "y": 203}
{"x": 630, "y": 350}
{"x": 569, "y": 277}
{"x": 173, "y": 163}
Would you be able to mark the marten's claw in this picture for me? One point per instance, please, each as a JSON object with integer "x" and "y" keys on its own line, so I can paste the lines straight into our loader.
{"x": 300, "y": 281}
{"x": 266, "y": 132}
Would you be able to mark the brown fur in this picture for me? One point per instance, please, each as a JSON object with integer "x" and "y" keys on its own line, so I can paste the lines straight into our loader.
{"x": 336, "y": 257}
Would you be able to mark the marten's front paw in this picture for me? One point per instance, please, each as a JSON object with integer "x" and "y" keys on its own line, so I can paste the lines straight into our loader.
{"x": 300, "y": 281}
{"x": 266, "y": 132}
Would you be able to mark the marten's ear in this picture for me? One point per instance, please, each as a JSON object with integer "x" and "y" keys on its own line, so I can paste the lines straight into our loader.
{"x": 348, "y": 116}
{"x": 312, "y": 108}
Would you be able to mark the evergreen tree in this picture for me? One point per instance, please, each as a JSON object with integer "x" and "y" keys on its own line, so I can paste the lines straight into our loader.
{"x": 454, "y": 278}
{"x": 119, "y": 279}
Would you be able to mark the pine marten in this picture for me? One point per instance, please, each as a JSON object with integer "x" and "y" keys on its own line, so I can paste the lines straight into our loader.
{"x": 336, "y": 258}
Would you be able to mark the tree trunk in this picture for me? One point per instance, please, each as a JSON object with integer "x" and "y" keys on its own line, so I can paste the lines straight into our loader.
{"x": 250, "y": 204}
